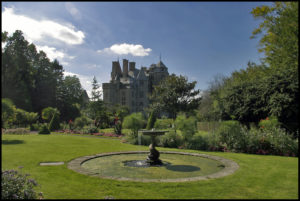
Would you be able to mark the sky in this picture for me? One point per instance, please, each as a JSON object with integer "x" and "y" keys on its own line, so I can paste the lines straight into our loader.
{"x": 199, "y": 40}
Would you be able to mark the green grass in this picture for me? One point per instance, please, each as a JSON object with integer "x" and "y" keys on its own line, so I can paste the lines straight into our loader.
{"x": 259, "y": 177}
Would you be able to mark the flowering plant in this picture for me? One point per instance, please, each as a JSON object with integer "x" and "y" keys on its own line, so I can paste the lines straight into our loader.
{"x": 16, "y": 186}
{"x": 71, "y": 124}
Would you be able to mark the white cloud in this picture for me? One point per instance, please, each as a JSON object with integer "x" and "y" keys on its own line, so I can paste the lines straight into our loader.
{"x": 51, "y": 52}
{"x": 36, "y": 30}
{"x": 73, "y": 10}
{"x": 120, "y": 49}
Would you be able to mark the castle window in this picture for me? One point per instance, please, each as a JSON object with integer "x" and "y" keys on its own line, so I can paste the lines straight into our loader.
{"x": 123, "y": 100}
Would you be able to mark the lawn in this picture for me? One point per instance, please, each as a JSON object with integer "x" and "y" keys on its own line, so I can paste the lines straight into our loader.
{"x": 259, "y": 177}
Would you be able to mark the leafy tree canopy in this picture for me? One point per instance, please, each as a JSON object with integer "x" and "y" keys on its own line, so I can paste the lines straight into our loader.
{"x": 174, "y": 94}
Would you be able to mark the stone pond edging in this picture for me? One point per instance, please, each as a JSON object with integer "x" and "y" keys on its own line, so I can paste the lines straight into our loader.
{"x": 230, "y": 167}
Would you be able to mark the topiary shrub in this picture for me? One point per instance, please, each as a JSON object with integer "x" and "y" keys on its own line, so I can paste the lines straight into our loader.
{"x": 54, "y": 123}
{"x": 151, "y": 120}
{"x": 44, "y": 130}
{"x": 15, "y": 185}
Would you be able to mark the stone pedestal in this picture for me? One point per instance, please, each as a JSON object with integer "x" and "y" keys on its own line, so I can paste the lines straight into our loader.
{"x": 153, "y": 157}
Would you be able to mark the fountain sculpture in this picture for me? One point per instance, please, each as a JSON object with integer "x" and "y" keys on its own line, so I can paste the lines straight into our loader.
{"x": 153, "y": 157}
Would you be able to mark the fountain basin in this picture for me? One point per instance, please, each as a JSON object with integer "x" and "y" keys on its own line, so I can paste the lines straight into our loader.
{"x": 179, "y": 167}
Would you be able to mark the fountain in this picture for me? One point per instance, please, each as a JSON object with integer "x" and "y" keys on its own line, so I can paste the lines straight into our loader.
{"x": 153, "y": 157}
{"x": 175, "y": 167}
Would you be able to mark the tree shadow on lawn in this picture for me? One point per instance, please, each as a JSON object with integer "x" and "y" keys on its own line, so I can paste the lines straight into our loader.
{"x": 12, "y": 141}
{"x": 183, "y": 168}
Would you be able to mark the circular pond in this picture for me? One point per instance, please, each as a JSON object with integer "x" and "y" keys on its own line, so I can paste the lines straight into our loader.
{"x": 176, "y": 167}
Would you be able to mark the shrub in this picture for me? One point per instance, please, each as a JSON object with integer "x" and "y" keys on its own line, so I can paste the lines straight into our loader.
{"x": 93, "y": 130}
{"x": 8, "y": 111}
{"x": 15, "y": 185}
{"x": 214, "y": 143}
{"x": 34, "y": 127}
{"x": 146, "y": 140}
{"x": 71, "y": 124}
{"x": 258, "y": 142}
{"x": 44, "y": 130}
{"x": 134, "y": 122}
{"x": 118, "y": 127}
{"x": 271, "y": 141}
{"x": 54, "y": 123}
{"x": 188, "y": 126}
{"x": 171, "y": 139}
{"x": 163, "y": 123}
{"x": 231, "y": 135}
{"x": 21, "y": 117}
{"x": 199, "y": 141}
{"x": 80, "y": 122}
{"x": 269, "y": 123}
{"x": 16, "y": 131}
{"x": 31, "y": 117}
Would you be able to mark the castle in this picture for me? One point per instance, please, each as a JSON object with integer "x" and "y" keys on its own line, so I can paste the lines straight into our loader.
{"x": 132, "y": 86}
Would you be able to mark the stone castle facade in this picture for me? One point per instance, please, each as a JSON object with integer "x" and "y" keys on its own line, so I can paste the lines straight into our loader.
{"x": 131, "y": 86}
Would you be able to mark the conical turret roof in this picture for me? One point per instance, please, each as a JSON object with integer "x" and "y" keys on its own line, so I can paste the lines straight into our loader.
{"x": 160, "y": 64}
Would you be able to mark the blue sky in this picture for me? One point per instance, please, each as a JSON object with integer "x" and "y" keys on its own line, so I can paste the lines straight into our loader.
{"x": 196, "y": 39}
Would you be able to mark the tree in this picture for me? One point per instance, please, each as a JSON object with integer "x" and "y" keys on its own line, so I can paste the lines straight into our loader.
{"x": 31, "y": 117}
{"x": 96, "y": 94}
{"x": 134, "y": 121}
{"x": 8, "y": 111}
{"x": 280, "y": 33}
{"x": 70, "y": 98}
{"x": 279, "y": 43}
{"x": 16, "y": 71}
{"x": 175, "y": 94}
{"x": 20, "y": 119}
{"x": 28, "y": 74}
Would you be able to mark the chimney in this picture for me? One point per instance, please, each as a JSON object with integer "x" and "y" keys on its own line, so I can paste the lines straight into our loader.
{"x": 125, "y": 67}
{"x": 114, "y": 69}
{"x": 131, "y": 66}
